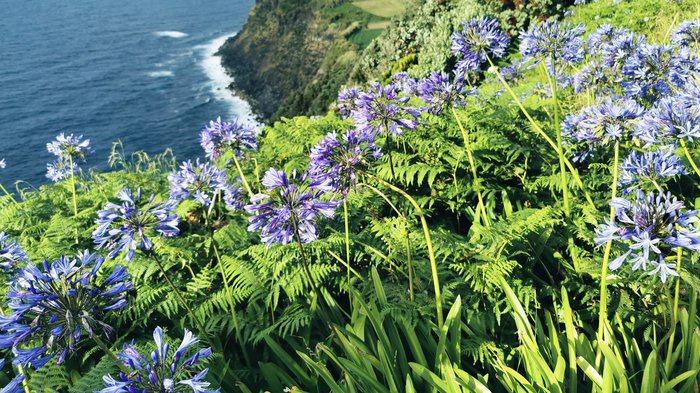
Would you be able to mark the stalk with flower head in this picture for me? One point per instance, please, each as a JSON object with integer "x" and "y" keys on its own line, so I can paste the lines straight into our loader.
{"x": 131, "y": 225}
{"x": 69, "y": 150}
{"x": 221, "y": 138}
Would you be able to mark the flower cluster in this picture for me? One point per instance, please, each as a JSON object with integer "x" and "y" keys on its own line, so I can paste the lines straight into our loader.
{"x": 11, "y": 254}
{"x": 612, "y": 119}
{"x": 221, "y": 136}
{"x": 346, "y": 101}
{"x": 52, "y": 309}
{"x": 289, "y": 206}
{"x": 128, "y": 226}
{"x": 671, "y": 118}
{"x": 552, "y": 40}
{"x": 480, "y": 39}
{"x": 439, "y": 92}
{"x": 654, "y": 71}
{"x": 202, "y": 182}
{"x": 162, "y": 371}
{"x": 687, "y": 33}
{"x": 382, "y": 110}
{"x": 68, "y": 150}
{"x": 337, "y": 160}
{"x": 650, "y": 227}
{"x": 405, "y": 83}
{"x": 650, "y": 169}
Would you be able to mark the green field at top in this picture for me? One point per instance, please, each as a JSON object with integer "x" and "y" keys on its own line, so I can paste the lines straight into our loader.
{"x": 383, "y": 8}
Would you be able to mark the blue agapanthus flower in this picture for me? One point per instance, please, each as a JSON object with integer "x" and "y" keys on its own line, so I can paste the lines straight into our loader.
{"x": 671, "y": 118}
{"x": 687, "y": 33}
{"x": 479, "y": 39}
{"x": 60, "y": 169}
{"x": 162, "y": 371}
{"x": 594, "y": 77}
{"x": 552, "y": 40}
{"x": 199, "y": 181}
{"x": 440, "y": 93}
{"x": 220, "y": 136}
{"x": 15, "y": 385}
{"x": 654, "y": 71}
{"x": 611, "y": 120}
{"x": 346, "y": 101}
{"x": 70, "y": 146}
{"x": 650, "y": 169}
{"x": 404, "y": 83}
{"x": 382, "y": 110}
{"x": 132, "y": 224}
{"x": 650, "y": 228}
{"x": 55, "y": 306}
{"x": 287, "y": 204}
{"x": 12, "y": 255}
{"x": 338, "y": 159}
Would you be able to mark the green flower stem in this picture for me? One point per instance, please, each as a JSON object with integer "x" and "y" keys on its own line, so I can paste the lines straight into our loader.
{"x": 602, "y": 313}
{"x": 690, "y": 157}
{"x": 428, "y": 241}
{"x": 408, "y": 239}
{"x": 560, "y": 148}
{"x": 105, "y": 348}
{"x": 8, "y": 194}
{"x": 240, "y": 172}
{"x": 472, "y": 165}
{"x": 182, "y": 300}
{"x": 347, "y": 236}
{"x": 312, "y": 282}
{"x": 676, "y": 295}
{"x": 544, "y": 135}
{"x": 72, "y": 182}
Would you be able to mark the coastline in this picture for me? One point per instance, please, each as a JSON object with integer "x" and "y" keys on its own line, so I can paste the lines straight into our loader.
{"x": 221, "y": 80}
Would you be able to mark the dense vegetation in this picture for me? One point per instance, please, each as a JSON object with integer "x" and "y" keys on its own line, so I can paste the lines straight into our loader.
{"x": 292, "y": 57}
{"x": 520, "y": 223}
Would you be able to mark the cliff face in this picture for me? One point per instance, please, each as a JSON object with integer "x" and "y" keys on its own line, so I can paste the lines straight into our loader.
{"x": 277, "y": 53}
{"x": 292, "y": 56}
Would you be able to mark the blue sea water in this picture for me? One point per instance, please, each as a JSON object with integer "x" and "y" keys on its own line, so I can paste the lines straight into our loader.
{"x": 139, "y": 71}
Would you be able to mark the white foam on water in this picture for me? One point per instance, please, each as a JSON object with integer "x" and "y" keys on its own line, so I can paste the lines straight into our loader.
{"x": 171, "y": 34}
{"x": 161, "y": 74}
{"x": 220, "y": 80}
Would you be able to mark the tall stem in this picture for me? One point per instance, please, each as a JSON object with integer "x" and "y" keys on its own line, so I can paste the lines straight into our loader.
{"x": 690, "y": 157}
{"x": 182, "y": 300}
{"x": 391, "y": 158}
{"x": 8, "y": 194}
{"x": 467, "y": 147}
{"x": 229, "y": 296}
{"x": 72, "y": 182}
{"x": 560, "y": 149}
{"x": 428, "y": 241}
{"x": 304, "y": 261}
{"x": 347, "y": 236}
{"x": 105, "y": 348}
{"x": 676, "y": 295}
{"x": 602, "y": 313}
{"x": 408, "y": 238}
{"x": 240, "y": 173}
{"x": 540, "y": 131}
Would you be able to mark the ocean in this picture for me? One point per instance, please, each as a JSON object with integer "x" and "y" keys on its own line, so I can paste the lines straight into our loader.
{"x": 139, "y": 71}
